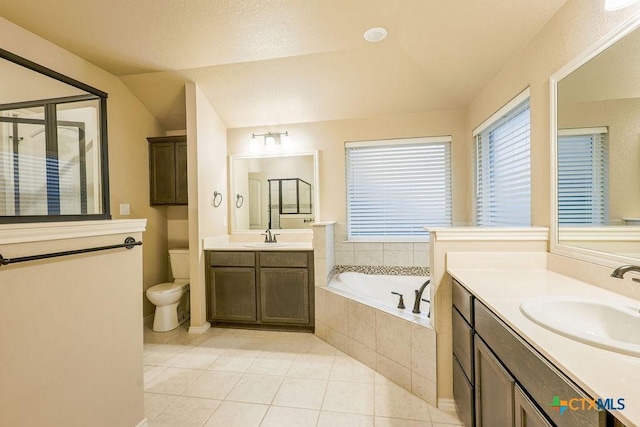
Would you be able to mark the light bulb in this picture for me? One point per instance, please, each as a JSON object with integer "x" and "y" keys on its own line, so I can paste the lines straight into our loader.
{"x": 286, "y": 139}
{"x": 253, "y": 143}
{"x": 270, "y": 141}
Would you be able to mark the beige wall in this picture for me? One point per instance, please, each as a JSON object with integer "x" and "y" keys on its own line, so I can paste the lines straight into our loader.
{"x": 207, "y": 172}
{"x": 329, "y": 137}
{"x": 129, "y": 125}
{"x": 71, "y": 335}
{"x": 576, "y": 26}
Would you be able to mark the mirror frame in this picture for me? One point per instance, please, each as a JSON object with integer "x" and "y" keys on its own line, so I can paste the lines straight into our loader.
{"x": 315, "y": 189}
{"x": 589, "y": 255}
{"x": 104, "y": 153}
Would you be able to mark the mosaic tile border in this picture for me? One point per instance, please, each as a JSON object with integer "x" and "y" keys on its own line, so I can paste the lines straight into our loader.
{"x": 379, "y": 269}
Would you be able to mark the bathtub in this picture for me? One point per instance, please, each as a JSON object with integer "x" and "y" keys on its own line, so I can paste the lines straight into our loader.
{"x": 357, "y": 314}
{"x": 375, "y": 290}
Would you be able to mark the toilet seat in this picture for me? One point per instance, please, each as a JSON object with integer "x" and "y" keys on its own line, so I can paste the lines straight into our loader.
{"x": 169, "y": 287}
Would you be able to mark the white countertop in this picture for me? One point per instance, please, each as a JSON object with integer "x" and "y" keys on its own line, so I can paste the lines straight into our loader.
{"x": 599, "y": 372}
{"x": 221, "y": 245}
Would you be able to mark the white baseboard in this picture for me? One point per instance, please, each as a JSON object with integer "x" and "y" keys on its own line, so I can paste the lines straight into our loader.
{"x": 199, "y": 329}
{"x": 446, "y": 404}
{"x": 143, "y": 423}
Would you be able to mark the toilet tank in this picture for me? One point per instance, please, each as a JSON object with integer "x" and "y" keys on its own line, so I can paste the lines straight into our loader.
{"x": 179, "y": 259}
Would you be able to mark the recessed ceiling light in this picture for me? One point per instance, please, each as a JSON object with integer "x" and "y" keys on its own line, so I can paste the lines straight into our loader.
{"x": 375, "y": 34}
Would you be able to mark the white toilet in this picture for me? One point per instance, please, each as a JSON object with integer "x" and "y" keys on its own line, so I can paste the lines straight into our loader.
{"x": 172, "y": 299}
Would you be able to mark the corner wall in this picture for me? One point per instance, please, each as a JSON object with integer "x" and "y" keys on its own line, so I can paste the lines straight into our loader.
{"x": 207, "y": 172}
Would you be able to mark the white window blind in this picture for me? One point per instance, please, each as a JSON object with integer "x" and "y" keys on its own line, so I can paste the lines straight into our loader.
{"x": 503, "y": 167}
{"x": 583, "y": 170}
{"x": 397, "y": 187}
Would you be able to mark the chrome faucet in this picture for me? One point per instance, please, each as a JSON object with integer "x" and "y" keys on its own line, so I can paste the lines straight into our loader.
{"x": 619, "y": 272}
{"x": 416, "y": 303}
{"x": 268, "y": 237}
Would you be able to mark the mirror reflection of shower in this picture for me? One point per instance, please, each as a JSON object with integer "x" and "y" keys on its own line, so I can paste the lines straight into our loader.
{"x": 289, "y": 200}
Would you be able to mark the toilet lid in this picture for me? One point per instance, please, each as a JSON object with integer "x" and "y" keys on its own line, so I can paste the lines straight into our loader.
{"x": 169, "y": 287}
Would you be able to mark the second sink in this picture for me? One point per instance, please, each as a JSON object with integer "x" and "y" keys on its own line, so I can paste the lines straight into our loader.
{"x": 613, "y": 327}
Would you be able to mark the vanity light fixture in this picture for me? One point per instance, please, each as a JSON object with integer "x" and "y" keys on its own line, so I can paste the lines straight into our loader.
{"x": 271, "y": 139}
{"x": 610, "y": 5}
{"x": 375, "y": 34}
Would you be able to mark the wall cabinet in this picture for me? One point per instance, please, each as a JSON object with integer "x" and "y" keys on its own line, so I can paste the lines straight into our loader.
{"x": 263, "y": 289}
{"x": 505, "y": 381}
{"x": 168, "y": 170}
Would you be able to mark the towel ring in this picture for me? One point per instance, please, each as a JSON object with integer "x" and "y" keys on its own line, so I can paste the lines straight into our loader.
{"x": 239, "y": 201}
{"x": 215, "y": 202}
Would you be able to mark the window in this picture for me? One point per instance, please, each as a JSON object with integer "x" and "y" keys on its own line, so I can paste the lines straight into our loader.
{"x": 503, "y": 170}
{"x": 583, "y": 169}
{"x": 397, "y": 187}
{"x": 53, "y": 146}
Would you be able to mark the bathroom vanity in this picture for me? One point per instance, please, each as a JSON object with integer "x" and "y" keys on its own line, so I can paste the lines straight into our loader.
{"x": 508, "y": 371}
{"x": 268, "y": 289}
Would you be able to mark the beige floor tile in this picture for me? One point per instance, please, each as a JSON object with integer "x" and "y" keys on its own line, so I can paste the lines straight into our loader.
{"x": 150, "y": 372}
{"x": 318, "y": 348}
{"x": 213, "y": 385}
{"x": 315, "y": 367}
{"x": 397, "y": 422}
{"x": 186, "y": 412}
{"x": 164, "y": 355}
{"x": 230, "y": 363}
{"x": 198, "y": 358}
{"x": 443, "y": 417}
{"x": 255, "y": 389}
{"x": 353, "y": 398}
{"x": 347, "y": 369}
{"x": 283, "y": 346}
{"x": 172, "y": 381}
{"x": 154, "y": 404}
{"x": 335, "y": 419}
{"x": 271, "y": 364}
{"x": 279, "y": 416}
{"x": 301, "y": 393}
{"x": 237, "y": 414}
{"x": 392, "y": 401}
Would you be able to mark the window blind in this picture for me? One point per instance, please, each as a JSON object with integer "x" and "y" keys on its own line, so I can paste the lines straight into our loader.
{"x": 397, "y": 187}
{"x": 583, "y": 170}
{"x": 503, "y": 169}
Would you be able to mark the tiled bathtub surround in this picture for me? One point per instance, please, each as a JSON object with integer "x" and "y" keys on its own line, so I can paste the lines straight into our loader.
{"x": 397, "y": 344}
{"x": 323, "y": 252}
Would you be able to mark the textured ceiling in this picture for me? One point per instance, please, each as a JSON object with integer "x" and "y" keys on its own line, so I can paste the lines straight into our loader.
{"x": 263, "y": 62}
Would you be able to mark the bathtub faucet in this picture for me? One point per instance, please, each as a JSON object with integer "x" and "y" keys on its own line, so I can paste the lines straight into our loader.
{"x": 416, "y": 304}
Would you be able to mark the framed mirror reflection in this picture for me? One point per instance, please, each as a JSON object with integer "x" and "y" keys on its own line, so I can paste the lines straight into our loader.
{"x": 596, "y": 150}
{"x": 278, "y": 191}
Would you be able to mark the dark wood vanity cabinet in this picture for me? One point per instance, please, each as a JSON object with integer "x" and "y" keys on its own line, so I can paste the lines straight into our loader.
{"x": 270, "y": 289}
{"x": 168, "y": 170}
{"x": 501, "y": 380}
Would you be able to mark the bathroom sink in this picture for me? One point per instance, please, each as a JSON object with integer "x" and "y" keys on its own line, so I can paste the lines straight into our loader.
{"x": 265, "y": 245}
{"x": 614, "y": 327}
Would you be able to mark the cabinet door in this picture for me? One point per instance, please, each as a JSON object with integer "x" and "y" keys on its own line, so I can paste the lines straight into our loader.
{"x": 182, "y": 197}
{"x": 162, "y": 173}
{"x": 493, "y": 388}
{"x": 284, "y": 295}
{"x": 526, "y": 413}
{"x": 232, "y": 294}
{"x": 462, "y": 395}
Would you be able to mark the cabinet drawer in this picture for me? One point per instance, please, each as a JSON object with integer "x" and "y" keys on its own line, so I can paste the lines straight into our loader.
{"x": 463, "y": 343}
{"x": 232, "y": 259}
{"x": 283, "y": 259}
{"x": 462, "y": 395}
{"x": 541, "y": 379}
{"x": 463, "y": 301}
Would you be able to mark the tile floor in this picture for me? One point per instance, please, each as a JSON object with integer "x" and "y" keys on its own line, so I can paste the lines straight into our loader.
{"x": 236, "y": 377}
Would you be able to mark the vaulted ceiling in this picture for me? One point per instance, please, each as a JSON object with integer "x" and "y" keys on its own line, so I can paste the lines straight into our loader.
{"x": 263, "y": 62}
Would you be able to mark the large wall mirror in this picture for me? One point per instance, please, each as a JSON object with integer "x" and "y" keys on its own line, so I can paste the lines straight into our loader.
{"x": 53, "y": 148}
{"x": 596, "y": 151}
{"x": 274, "y": 191}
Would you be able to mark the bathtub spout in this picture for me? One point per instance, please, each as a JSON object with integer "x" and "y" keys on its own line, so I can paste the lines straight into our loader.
{"x": 416, "y": 304}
